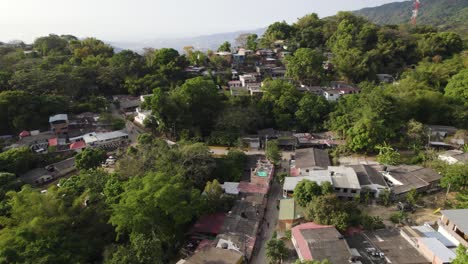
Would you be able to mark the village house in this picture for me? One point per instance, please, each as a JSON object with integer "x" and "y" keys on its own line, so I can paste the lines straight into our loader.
{"x": 454, "y": 225}
{"x": 370, "y": 180}
{"x": 290, "y": 213}
{"x": 344, "y": 181}
{"x": 107, "y": 140}
{"x": 332, "y": 95}
{"x": 320, "y": 242}
{"x": 213, "y": 255}
{"x": 308, "y": 159}
{"x": 403, "y": 178}
{"x": 434, "y": 246}
{"x": 59, "y": 123}
{"x": 318, "y": 176}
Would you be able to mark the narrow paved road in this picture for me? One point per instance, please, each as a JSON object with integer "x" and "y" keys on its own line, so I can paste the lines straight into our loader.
{"x": 271, "y": 216}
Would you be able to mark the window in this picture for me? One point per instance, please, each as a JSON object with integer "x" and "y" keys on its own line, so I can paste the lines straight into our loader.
{"x": 345, "y": 190}
{"x": 353, "y": 191}
{"x": 337, "y": 189}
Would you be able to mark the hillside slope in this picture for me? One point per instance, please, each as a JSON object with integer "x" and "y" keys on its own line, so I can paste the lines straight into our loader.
{"x": 447, "y": 15}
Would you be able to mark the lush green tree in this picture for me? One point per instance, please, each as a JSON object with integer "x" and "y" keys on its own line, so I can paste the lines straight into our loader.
{"x": 191, "y": 107}
{"x": 415, "y": 133}
{"x": 8, "y": 182}
{"x": 385, "y": 197}
{"x": 42, "y": 228}
{"x": 305, "y": 65}
{"x": 305, "y": 191}
{"x": 273, "y": 152}
{"x": 90, "y": 158}
{"x": 456, "y": 88}
{"x": 330, "y": 210}
{"x": 312, "y": 112}
{"x": 280, "y": 100}
{"x": 82, "y": 49}
{"x": 351, "y": 45}
{"x": 196, "y": 162}
{"x": 366, "y": 120}
{"x": 276, "y": 250}
{"x": 387, "y": 155}
{"x": 327, "y": 188}
{"x": 230, "y": 167}
{"x": 30, "y": 111}
{"x": 252, "y": 42}
{"x": 51, "y": 44}
{"x": 455, "y": 177}
{"x": 412, "y": 196}
{"x": 276, "y": 31}
{"x": 226, "y": 46}
{"x": 462, "y": 255}
{"x": 443, "y": 44}
{"x": 17, "y": 160}
{"x": 158, "y": 204}
{"x": 308, "y": 32}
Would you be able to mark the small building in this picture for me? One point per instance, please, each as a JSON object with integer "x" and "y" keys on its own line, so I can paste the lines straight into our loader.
{"x": 247, "y": 78}
{"x": 385, "y": 78}
{"x": 318, "y": 176}
{"x": 454, "y": 225}
{"x": 345, "y": 181}
{"x": 332, "y": 95}
{"x": 290, "y": 213}
{"x": 252, "y": 142}
{"x": 308, "y": 159}
{"x": 141, "y": 116}
{"x": 319, "y": 242}
{"x": 59, "y": 123}
{"x": 454, "y": 156}
{"x": 403, "y": 178}
{"x": 215, "y": 255}
{"x": 230, "y": 188}
{"x": 106, "y": 140}
{"x": 370, "y": 180}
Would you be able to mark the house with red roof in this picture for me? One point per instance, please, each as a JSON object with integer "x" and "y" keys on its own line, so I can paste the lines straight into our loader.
{"x": 318, "y": 242}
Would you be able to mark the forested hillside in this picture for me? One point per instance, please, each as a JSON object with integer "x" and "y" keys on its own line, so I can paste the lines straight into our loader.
{"x": 447, "y": 15}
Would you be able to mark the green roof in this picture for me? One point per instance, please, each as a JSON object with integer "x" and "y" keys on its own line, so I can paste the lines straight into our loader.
{"x": 289, "y": 210}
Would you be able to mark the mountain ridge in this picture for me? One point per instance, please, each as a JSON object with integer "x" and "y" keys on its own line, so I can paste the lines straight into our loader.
{"x": 446, "y": 15}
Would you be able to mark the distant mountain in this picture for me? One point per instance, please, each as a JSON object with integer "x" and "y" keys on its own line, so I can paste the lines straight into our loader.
{"x": 447, "y": 15}
{"x": 205, "y": 42}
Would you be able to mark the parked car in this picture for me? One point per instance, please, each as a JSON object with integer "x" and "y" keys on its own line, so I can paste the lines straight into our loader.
{"x": 405, "y": 207}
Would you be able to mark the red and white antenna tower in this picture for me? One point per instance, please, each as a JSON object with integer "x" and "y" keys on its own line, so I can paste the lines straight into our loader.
{"x": 415, "y": 11}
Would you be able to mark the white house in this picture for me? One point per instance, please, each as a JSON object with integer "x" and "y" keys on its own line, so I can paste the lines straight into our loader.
{"x": 108, "y": 139}
{"x": 141, "y": 116}
{"x": 332, "y": 95}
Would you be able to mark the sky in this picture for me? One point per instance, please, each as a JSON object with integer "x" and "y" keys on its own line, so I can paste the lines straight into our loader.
{"x": 133, "y": 20}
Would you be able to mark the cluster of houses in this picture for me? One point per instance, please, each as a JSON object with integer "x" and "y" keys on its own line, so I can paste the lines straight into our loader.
{"x": 67, "y": 136}
{"x": 73, "y": 135}
{"x": 250, "y": 69}
{"x": 352, "y": 181}
{"x": 409, "y": 244}
{"x": 231, "y": 237}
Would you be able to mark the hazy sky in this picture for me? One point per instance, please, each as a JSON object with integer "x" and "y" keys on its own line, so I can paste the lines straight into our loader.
{"x": 128, "y": 20}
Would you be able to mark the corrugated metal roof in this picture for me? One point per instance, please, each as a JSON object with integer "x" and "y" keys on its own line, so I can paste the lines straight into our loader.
{"x": 437, "y": 248}
{"x": 459, "y": 217}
